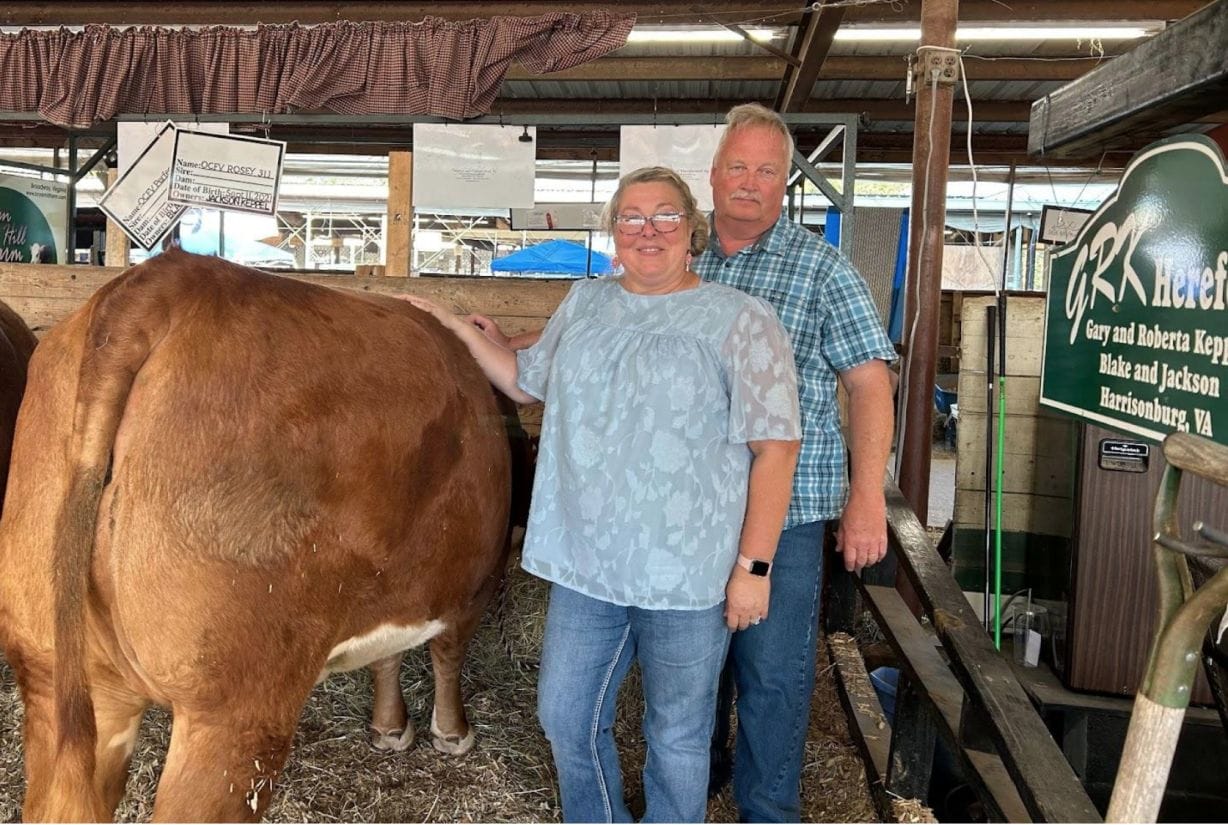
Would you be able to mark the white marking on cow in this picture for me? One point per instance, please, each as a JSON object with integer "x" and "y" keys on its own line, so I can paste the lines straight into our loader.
{"x": 125, "y": 740}
{"x": 380, "y": 642}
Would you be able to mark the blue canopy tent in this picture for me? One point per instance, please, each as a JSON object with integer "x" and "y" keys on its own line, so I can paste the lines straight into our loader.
{"x": 555, "y": 258}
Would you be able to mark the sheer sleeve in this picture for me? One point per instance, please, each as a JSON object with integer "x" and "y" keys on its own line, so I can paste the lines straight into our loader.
{"x": 533, "y": 363}
{"x": 763, "y": 402}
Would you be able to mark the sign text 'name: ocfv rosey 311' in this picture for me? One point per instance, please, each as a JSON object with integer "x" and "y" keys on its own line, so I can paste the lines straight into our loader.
{"x": 1136, "y": 331}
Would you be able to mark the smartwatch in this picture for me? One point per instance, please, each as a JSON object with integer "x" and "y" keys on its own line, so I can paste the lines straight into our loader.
{"x": 756, "y": 567}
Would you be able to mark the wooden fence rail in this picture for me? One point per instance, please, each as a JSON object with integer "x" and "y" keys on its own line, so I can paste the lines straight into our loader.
{"x": 1019, "y": 771}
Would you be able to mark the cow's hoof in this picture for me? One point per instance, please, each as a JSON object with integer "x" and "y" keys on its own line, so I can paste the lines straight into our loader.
{"x": 393, "y": 740}
{"x": 450, "y": 743}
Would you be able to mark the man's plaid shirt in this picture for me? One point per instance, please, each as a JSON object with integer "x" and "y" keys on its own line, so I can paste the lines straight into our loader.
{"x": 833, "y": 325}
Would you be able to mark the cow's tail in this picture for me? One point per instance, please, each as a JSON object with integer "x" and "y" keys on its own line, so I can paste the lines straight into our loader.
{"x": 113, "y": 351}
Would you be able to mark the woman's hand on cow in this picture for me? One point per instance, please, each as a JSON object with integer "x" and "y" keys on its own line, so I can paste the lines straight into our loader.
{"x": 448, "y": 319}
{"x": 746, "y": 599}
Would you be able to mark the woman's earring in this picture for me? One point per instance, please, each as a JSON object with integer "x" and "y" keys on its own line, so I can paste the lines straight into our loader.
{"x": 689, "y": 258}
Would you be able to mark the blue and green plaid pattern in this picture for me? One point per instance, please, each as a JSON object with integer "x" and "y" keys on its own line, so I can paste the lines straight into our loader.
{"x": 832, "y": 323}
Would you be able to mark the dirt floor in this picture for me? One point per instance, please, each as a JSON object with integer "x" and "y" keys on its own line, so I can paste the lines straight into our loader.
{"x": 333, "y": 775}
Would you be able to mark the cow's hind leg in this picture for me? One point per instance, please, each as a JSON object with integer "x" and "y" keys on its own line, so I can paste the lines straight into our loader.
{"x": 450, "y": 731}
{"x": 223, "y": 766}
{"x": 117, "y": 717}
{"x": 117, "y": 714}
{"x": 391, "y": 729}
{"x": 45, "y": 801}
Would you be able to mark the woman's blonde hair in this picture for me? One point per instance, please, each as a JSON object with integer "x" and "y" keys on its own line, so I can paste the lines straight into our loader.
{"x": 659, "y": 174}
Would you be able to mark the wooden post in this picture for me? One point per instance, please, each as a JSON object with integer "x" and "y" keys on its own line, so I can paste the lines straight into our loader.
{"x": 400, "y": 214}
{"x": 117, "y": 241}
{"x": 930, "y": 161}
{"x": 912, "y": 743}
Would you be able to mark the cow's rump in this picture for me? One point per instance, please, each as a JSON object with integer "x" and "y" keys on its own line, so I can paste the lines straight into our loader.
{"x": 246, "y": 480}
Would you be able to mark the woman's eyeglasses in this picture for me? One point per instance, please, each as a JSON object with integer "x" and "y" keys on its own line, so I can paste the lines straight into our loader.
{"x": 634, "y": 224}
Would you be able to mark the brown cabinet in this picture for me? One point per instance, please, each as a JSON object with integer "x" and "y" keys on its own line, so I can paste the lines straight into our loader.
{"x": 1112, "y": 610}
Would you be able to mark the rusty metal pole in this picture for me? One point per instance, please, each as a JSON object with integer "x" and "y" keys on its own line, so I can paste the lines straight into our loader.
{"x": 938, "y": 69}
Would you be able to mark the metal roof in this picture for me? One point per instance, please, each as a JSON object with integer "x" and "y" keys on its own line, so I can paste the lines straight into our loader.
{"x": 857, "y": 77}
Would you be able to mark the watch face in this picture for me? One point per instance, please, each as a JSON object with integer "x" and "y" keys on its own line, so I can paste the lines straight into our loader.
{"x": 759, "y": 568}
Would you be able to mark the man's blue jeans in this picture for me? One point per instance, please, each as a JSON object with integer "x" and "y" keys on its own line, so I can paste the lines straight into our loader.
{"x": 773, "y": 670}
{"x": 586, "y": 652}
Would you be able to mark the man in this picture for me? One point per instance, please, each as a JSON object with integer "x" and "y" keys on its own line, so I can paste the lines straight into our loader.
{"x": 836, "y": 333}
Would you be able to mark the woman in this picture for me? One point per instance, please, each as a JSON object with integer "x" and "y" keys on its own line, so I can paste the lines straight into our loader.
{"x": 668, "y": 443}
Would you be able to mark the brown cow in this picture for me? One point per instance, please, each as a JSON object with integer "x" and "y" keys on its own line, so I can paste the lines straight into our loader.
{"x": 226, "y": 485}
{"x": 16, "y": 344}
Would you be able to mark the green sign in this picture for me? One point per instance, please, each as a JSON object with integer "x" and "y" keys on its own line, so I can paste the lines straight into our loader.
{"x": 28, "y": 206}
{"x": 1136, "y": 319}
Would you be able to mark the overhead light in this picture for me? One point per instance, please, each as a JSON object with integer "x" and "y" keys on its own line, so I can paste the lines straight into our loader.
{"x": 702, "y": 35}
{"x": 971, "y": 33}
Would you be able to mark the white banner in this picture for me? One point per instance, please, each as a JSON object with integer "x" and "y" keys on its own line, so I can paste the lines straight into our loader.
{"x": 459, "y": 165}
{"x": 688, "y": 150}
{"x": 138, "y": 201}
{"x": 226, "y": 172}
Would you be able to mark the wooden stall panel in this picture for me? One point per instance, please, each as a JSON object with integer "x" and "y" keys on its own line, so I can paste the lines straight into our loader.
{"x": 1039, "y": 449}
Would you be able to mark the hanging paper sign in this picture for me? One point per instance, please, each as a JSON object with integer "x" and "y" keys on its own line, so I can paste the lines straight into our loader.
{"x": 139, "y": 200}
{"x": 226, "y": 172}
{"x": 1060, "y": 224}
{"x": 32, "y": 220}
{"x": 132, "y": 136}
{"x": 1136, "y": 319}
{"x": 688, "y": 150}
{"x": 561, "y": 216}
{"x": 466, "y": 166}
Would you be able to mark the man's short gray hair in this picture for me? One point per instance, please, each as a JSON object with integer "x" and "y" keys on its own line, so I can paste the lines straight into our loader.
{"x": 756, "y": 114}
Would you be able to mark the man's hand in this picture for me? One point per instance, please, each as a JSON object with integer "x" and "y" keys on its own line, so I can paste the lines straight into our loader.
{"x": 862, "y": 535}
{"x": 489, "y": 328}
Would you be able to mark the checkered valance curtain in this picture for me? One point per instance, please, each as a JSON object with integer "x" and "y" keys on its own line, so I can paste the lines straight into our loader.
{"x": 435, "y": 67}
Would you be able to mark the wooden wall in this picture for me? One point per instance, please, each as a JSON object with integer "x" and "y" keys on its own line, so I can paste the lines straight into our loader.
{"x": 1039, "y": 468}
{"x": 45, "y": 294}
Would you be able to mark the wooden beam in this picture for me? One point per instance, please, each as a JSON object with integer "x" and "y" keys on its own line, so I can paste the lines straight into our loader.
{"x": 1035, "y": 11}
{"x": 868, "y": 725}
{"x": 242, "y": 12}
{"x": 118, "y": 247}
{"x": 762, "y": 44}
{"x": 813, "y": 45}
{"x": 1010, "y": 111}
{"x": 923, "y": 663}
{"x": 399, "y": 250}
{"x": 1047, "y": 784}
{"x": 1172, "y": 78}
{"x": 930, "y": 166}
{"x": 778, "y": 12}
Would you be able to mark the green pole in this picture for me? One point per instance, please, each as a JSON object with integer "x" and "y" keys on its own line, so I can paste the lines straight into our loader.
{"x": 997, "y": 555}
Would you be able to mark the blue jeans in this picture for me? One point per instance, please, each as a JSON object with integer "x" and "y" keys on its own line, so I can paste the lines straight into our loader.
{"x": 586, "y": 652}
{"x": 773, "y": 670}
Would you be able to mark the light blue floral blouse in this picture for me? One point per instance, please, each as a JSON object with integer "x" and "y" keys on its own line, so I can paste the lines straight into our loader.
{"x": 643, "y": 467}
